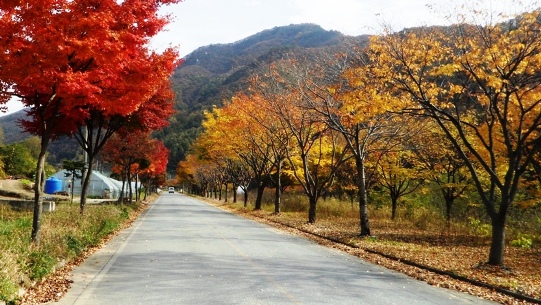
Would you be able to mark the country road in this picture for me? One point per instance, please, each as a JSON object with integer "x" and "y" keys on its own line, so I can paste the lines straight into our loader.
{"x": 183, "y": 251}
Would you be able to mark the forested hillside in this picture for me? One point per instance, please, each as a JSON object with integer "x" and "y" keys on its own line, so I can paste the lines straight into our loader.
{"x": 208, "y": 76}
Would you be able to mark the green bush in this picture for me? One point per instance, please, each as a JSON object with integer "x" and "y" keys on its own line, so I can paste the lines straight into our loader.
{"x": 107, "y": 227}
{"x": 8, "y": 290}
{"x": 523, "y": 241}
{"x": 27, "y": 184}
{"x": 40, "y": 264}
{"x": 75, "y": 246}
{"x": 124, "y": 214}
{"x": 479, "y": 228}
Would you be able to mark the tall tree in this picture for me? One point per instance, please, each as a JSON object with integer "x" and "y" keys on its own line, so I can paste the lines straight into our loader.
{"x": 349, "y": 99}
{"x": 481, "y": 84}
{"x": 272, "y": 135}
{"x": 441, "y": 164}
{"x": 315, "y": 153}
{"x": 147, "y": 100}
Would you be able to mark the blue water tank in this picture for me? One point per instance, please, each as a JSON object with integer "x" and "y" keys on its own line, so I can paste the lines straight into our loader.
{"x": 53, "y": 185}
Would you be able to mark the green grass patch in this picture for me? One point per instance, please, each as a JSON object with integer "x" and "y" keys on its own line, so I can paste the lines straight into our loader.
{"x": 65, "y": 235}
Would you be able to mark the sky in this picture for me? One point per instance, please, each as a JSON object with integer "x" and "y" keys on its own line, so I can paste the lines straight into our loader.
{"x": 197, "y": 23}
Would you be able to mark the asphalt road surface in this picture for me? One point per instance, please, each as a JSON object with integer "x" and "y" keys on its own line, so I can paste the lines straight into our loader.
{"x": 183, "y": 251}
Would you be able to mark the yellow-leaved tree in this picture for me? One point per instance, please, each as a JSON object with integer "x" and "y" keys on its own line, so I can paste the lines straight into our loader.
{"x": 481, "y": 84}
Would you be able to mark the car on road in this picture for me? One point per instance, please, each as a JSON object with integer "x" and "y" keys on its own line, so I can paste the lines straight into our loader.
{"x": 171, "y": 190}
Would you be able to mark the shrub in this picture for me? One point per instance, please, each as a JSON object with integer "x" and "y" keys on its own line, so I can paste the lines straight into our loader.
{"x": 75, "y": 246}
{"x": 523, "y": 241}
{"x": 40, "y": 264}
{"x": 27, "y": 184}
{"x": 294, "y": 203}
{"x": 8, "y": 290}
{"x": 479, "y": 228}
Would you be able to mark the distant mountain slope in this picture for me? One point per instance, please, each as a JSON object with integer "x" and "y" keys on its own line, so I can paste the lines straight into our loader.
{"x": 12, "y": 132}
{"x": 222, "y": 58}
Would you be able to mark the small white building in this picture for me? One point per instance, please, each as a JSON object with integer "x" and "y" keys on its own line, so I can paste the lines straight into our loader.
{"x": 100, "y": 185}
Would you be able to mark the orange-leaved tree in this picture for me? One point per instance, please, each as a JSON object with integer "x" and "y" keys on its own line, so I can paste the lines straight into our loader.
{"x": 231, "y": 137}
{"x": 151, "y": 113}
{"x": 154, "y": 175}
{"x": 260, "y": 144}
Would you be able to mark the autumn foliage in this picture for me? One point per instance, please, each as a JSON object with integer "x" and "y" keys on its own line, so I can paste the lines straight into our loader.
{"x": 83, "y": 68}
{"x": 136, "y": 155}
{"x": 455, "y": 110}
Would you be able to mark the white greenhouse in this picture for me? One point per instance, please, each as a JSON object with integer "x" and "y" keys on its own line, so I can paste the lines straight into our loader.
{"x": 100, "y": 185}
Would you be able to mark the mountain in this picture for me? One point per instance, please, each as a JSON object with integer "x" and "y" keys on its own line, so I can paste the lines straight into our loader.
{"x": 212, "y": 74}
{"x": 11, "y": 131}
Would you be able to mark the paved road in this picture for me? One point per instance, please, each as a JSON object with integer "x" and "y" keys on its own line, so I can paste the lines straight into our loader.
{"x": 183, "y": 251}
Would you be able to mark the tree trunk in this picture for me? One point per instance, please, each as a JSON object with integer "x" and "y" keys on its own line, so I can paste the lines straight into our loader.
{"x": 39, "y": 184}
{"x": 86, "y": 182}
{"x": 147, "y": 189}
{"x": 226, "y": 192}
{"x": 259, "y": 198}
{"x": 363, "y": 198}
{"x": 394, "y": 201}
{"x": 449, "y": 198}
{"x": 235, "y": 193}
{"x": 277, "y": 199}
{"x": 497, "y": 245}
{"x": 278, "y": 193}
{"x": 72, "y": 186}
{"x": 137, "y": 188}
{"x": 121, "y": 195}
{"x": 130, "y": 193}
{"x": 312, "y": 209}
{"x": 245, "y": 197}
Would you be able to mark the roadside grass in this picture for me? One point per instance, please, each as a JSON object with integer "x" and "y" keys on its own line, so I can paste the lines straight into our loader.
{"x": 421, "y": 234}
{"x": 65, "y": 236}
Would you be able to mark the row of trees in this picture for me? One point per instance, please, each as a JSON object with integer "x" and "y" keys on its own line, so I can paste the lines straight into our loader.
{"x": 84, "y": 69}
{"x": 459, "y": 106}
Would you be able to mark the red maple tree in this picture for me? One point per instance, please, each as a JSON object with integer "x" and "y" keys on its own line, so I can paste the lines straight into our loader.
{"x": 135, "y": 154}
{"x": 80, "y": 63}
